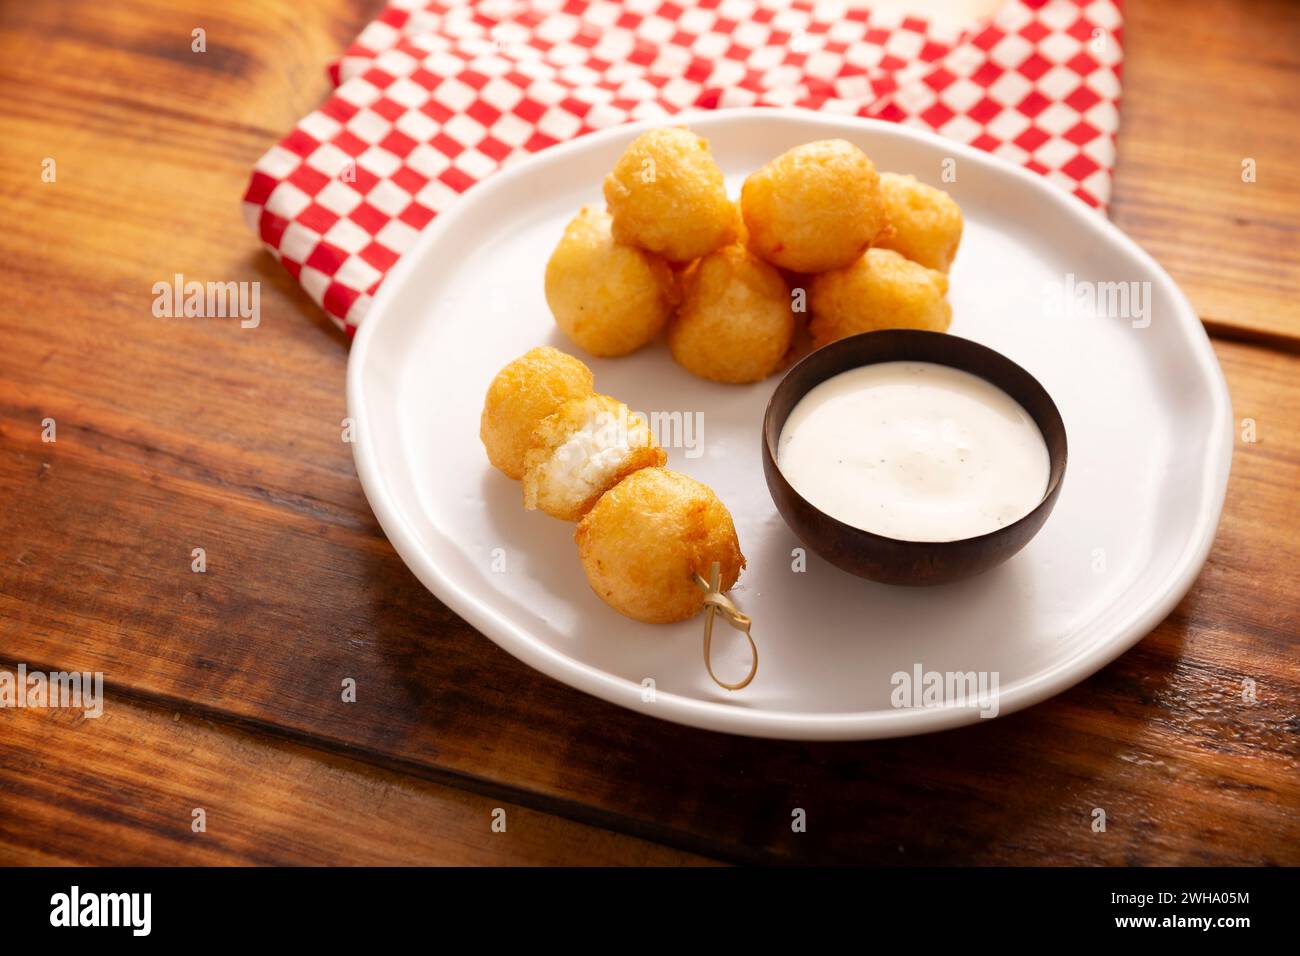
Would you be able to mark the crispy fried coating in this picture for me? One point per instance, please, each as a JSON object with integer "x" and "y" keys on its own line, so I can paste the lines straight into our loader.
{"x": 666, "y": 195}
{"x": 608, "y": 297}
{"x": 815, "y": 207}
{"x": 643, "y": 541}
{"x": 734, "y": 324}
{"x": 522, "y": 394}
{"x": 881, "y": 290}
{"x": 581, "y": 451}
{"x": 926, "y": 221}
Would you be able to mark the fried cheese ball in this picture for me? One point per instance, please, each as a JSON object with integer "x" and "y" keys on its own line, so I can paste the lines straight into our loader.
{"x": 666, "y": 195}
{"x": 608, "y": 297}
{"x": 645, "y": 539}
{"x": 583, "y": 449}
{"x": 814, "y": 207}
{"x": 926, "y": 221}
{"x": 734, "y": 324}
{"x": 522, "y": 394}
{"x": 881, "y": 290}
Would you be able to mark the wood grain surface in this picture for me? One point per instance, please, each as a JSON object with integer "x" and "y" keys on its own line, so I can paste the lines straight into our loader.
{"x": 1208, "y": 87}
{"x": 141, "y": 785}
{"x": 174, "y": 434}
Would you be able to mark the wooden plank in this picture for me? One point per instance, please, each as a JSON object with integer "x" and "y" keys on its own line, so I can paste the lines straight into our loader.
{"x": 121, "y": 790}
{"x": 1209, "y": 86}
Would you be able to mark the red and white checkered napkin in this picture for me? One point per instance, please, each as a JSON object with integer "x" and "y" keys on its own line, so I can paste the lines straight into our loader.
{"x": 434, "y": 96}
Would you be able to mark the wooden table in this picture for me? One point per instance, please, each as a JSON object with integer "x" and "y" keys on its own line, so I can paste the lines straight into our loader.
{"x": 224, "y": 687}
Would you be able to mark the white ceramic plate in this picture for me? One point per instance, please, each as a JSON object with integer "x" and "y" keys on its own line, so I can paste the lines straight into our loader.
{"x": 1146, "y": 408}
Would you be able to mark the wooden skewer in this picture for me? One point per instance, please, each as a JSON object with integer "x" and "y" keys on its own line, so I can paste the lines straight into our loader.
{"x": 715, "y": 601}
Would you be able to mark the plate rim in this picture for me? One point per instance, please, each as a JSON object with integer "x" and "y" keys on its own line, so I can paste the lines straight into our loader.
{"x": 776, "y": 724}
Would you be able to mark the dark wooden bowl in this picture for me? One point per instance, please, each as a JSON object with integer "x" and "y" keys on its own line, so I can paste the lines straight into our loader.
{"x": 890, "y": 560}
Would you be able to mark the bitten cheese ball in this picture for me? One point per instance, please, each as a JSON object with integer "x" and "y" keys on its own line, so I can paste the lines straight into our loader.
{"x": 666, "y": 195}
{"x": 881, "y": 290}
{"x": 645, "y": 539}
{"x": 734, "y": 324}
{"x": 608, "y": 297}
{"x": 522, "y": 394}
{"x": 581, "y": 451}
{"x": 926, "y": 221}
{"x": 814, "y": 207}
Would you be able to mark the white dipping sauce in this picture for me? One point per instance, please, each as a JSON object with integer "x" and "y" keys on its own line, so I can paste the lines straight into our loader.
{"x": 914, "y": 451}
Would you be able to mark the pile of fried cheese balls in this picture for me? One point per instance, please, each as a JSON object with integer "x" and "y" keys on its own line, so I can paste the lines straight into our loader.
{"x": 671, "y": 250}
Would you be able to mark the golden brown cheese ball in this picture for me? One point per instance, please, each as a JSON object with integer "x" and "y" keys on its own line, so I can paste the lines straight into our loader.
{"x": 583, "y": 449}
{"x": 645, "y": 539}
{"x": 734, "y": 323}
{"x": 522, "y": 394}
{"x": 881, "y": 290}
{"x": 926, "y": 221}
{"x": 666, "y": 195}
{"x": 609, "y": 298}
{"x": 814, "y": 207}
